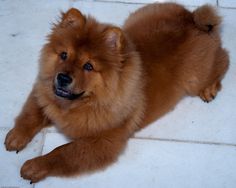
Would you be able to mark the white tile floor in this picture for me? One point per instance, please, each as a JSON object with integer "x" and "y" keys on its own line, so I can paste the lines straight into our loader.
{"x": 194, "y": 146}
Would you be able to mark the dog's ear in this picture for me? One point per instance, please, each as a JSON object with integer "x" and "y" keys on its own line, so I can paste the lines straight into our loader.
{"x": 114, "y": 37}
{"x": 72, "y": 18}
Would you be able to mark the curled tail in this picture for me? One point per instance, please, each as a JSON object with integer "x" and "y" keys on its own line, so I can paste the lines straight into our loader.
{"x": 206, "y": 18}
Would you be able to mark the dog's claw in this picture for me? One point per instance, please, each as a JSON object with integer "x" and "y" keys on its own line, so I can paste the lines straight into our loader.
{"x": 17, "y": 151}
{"x": 31, "y": 182}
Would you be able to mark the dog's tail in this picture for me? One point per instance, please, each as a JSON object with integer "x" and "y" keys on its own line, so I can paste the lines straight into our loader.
{"x": 206, "y": 18}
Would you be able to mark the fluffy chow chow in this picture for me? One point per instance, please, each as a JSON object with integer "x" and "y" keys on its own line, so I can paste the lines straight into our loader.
{"x": 99, "y": 83}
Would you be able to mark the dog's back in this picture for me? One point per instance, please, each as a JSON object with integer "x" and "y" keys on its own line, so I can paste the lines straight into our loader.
{"x": 181, "y": 53}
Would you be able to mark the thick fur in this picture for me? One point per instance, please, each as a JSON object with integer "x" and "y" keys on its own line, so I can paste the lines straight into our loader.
{"x": 163, "y": 53}
{"x": 206, "y": 18}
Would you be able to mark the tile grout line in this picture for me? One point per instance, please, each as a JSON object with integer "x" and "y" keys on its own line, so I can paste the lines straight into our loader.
{"x": 230, "y": 8}
{"x": 140, "y": 3}
{"x": 46, "y": 131}
{"x": 172, "y": 140}
{"x": 187, "y": 141}
{"x": 43, "y": 141}
{"x": 121, "y": 2}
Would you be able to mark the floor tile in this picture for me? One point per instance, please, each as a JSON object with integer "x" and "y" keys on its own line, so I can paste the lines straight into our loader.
{"x": 149, "y": 163}
{"x": 228, "y": 33}
{"x": 104, "y": 12}
{"x": 227, "y": 3}
{"x": 184, "y": 2}
{"x": 12, "y": 162}
{"x": 21, "y": 49}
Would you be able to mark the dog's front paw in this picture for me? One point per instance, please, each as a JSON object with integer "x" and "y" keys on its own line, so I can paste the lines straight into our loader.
{"x": 16, "y": 140}
{"x": 35, "y": 169}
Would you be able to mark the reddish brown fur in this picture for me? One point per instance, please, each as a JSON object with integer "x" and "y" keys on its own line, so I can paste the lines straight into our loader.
{"x": 163, "y": 53}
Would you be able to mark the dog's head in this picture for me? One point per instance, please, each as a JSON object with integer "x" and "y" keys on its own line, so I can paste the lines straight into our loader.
{"x": 83, "y": 59}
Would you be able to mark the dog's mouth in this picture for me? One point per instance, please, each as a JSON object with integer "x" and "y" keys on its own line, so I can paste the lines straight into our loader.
{"x": 67, "y": 94}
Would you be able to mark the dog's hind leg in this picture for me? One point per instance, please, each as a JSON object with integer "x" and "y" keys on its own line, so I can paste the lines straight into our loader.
{"x": 220, "y": 67}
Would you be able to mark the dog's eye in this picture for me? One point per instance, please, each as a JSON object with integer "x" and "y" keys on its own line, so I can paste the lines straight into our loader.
{"x": 63, "y": 56}
{"x": 88, "y": 66}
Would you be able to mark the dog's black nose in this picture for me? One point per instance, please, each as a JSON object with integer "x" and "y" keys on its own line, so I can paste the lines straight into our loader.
{"x": 63, "y": 79}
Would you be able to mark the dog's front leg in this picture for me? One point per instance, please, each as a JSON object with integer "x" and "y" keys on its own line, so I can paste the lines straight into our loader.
{"x": 77, "y": 157}
{"x": 29, "y": 122}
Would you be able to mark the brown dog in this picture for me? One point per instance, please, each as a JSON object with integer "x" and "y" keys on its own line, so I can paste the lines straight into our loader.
{"x": 99, "y": 83}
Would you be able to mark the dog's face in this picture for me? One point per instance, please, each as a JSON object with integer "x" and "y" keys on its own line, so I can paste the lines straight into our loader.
{"x": 82, "y": 60}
